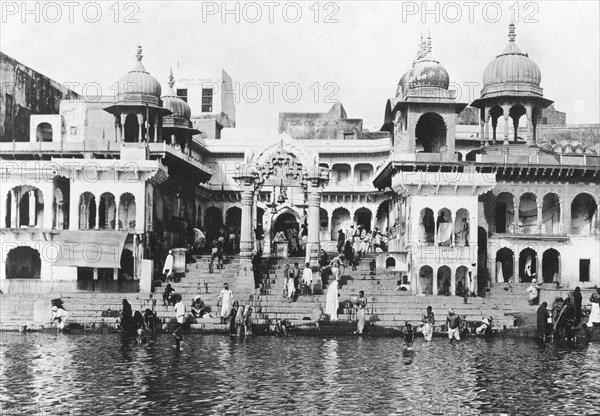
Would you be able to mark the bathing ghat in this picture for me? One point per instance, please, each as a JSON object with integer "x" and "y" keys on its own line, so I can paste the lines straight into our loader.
{"x": 387, "y": 309}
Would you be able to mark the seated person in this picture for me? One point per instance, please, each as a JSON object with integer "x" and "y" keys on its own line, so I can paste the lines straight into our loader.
{"x": 168, "y": 295}
{"x": 198, "y": 308}
{"x": 150, "y": 319}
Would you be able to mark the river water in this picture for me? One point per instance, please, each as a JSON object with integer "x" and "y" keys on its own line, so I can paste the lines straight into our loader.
{"x": 106, "y": 374}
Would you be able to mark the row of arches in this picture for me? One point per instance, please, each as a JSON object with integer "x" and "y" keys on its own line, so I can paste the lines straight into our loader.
{"x": 346, "y": 174}
{"x": 104, "y": 215}
{"x": 444, "y": 229}
{"x": 441, "y": 283}
{"x": 528, "y": 265}
{"x": 531, "y": 215}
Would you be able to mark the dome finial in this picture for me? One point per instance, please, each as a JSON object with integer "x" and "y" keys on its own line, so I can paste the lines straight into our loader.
{"x": 139, "y": 55}
{"x": 171, "y": 79}
{"x": 511, "y": 32}
{"x": 428, "y": 41}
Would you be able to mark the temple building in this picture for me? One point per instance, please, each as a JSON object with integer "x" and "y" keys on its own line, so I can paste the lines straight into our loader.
{"x": 453, "y": 186}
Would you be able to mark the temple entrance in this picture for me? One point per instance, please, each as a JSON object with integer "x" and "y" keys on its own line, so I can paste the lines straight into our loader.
{"x": 285, "y": 221}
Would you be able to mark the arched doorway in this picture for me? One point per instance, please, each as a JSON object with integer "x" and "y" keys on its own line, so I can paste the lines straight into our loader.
{"x": 430, "y": 133}
{"x": 482, "y": 247}
{"x": 504, "y": 265}
{"x": 584, "y": 215}
{"x": 444, "y": 276}
{"x": 127, "y": 212}
{"x": 462, "y": 283}
{"x": 340, "y": 220}
{"x": 390, "y": 263}
{"x": 126, "y": 270}
{"x": 504, "y": 212}
{"x": 233, "y": 217}
{"x": 284, "y": 222}
{"x": 426, "y": 280}
{"x": 107, "y": 211}
{"x": 87, "y": 211}
{"x": 527, "y": 264}
{"x": 444, "y": 227}
{"x": 550, "y": 265}
{"x": 23, "y": 263}
{"x": 551, "y": 214}
{"x": 213, "y": 220}
{"x": 363, "y": 217}
{"x": 131, "y": 128}
{"x": 427, "y": 226}
{"x": 528, "y": 213}
{"x": 461, "y": 227}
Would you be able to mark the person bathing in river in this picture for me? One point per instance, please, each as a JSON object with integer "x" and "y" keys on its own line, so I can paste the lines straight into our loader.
{"x": 542, "y": 321}
{"x": 428, "y": 323}
{"x": 361, "y": 304}
{"x": 409, "y": 335}
{"x": 453, "y": 323}
{"x": 60, "y": 316}
{"x": 232, "y": 317}
{"x": 594, "y": 319}
{"x": 486, "y": 326}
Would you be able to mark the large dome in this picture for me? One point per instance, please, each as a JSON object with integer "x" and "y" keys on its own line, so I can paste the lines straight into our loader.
{"x": 172, "y": 102}
{"x": 403, "y": 84}
{"x": 138, "y": 81}
{"x": 512, "y": 67}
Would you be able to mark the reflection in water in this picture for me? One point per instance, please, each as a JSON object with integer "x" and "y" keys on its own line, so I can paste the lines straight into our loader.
{"x": 111, "y": 374}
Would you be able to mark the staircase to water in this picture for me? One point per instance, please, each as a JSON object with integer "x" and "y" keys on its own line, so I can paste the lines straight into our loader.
{"x": 386, "y": 307}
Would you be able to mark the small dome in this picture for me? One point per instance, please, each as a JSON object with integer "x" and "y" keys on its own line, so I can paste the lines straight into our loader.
{"x": 138, "y": 81}
{"x": 429, "y": 73}
{"x": 172, "y": 102}
{"x": 512, "y": 66}
{"x": 403, "y": 84}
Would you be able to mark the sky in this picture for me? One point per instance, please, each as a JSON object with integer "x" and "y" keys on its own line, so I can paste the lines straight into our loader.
{"x": 304, "y": 56}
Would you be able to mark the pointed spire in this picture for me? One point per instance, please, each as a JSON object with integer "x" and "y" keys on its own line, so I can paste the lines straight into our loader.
{"x": 139, "y": 55}
{"x": 511, "y": 32}
{"x": 171, "y": 79}
{"x": 428, "y": 42}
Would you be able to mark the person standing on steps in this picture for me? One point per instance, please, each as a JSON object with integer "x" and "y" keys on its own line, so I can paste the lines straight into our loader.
{"x": 332, "y": 305}
{"x": 360, "y": 303}
{"x": 453, "y": 323}
{"x": 259, "y": 236}
{"x": 225, "y": 299}
{"x": 307, "y": 280}
{"x": 341, "y": 241}
{"x": 296, "y": 278}
{"x": 168, "y": 267}
{"x": 471, "y": 279}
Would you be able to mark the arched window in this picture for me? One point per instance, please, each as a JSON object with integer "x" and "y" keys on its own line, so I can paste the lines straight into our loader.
{"x": 504, "y": 265}
{"x": 107, "y": 210}
{"x": 551, "y": 214}
{"x": 426, "y": 280}
{"x": 584, "y": 215}
{"x": 427, "y": 223}
{"x": 551, "y": 265}
{"x": 528, "y": 266}
{"x": 363, "y": 217}
{"x": 132, "y": 128}
{"x": 127, "y": 212}
{"x": 43, "y": 133}
{"x": 430, "y": 133}
{"x": 504, "y": 213}
{"x": 528, "y": 213}
{"x": 87, "y": 211}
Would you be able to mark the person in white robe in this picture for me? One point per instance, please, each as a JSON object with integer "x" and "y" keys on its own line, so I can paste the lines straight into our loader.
{"x": 226, "y": 300}
{"x": 332, "y": 304}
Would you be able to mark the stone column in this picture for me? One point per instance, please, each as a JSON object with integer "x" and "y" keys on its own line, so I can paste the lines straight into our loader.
{"x": 529, "y": 121}
{"x": 14, "y": 208}
{"x": 97, "y": 223}
{"x": 566, "y": 215}
{"x": 506, "y": 128}
{"x": 32, "y": 208}
{"x": 140, "y": 124}
{"x": 246, "y": 241}
{"x": 483, "y": 132}
{"x": 156, "y": 118}
{"x": 516, "y": 228}
{"x": 452, "y": 282}
{"x": 122, "y": 127}
{"x": 117, "y": 127}
{"x": 313, "y": 243}
{"x": 539, "y": 217}
{"x": 434, "y": 280}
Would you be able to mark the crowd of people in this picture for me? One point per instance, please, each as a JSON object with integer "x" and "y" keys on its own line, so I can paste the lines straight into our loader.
{"x": 565, "y": 315}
